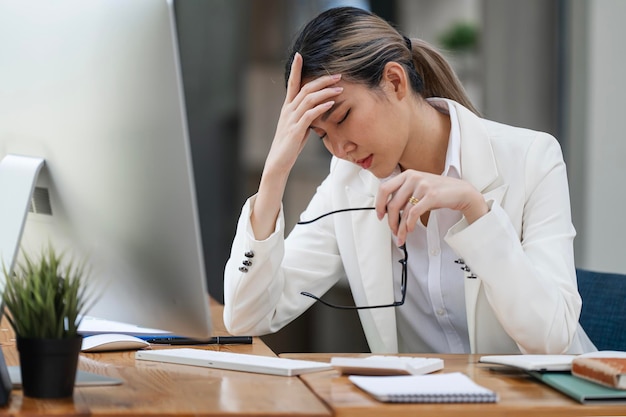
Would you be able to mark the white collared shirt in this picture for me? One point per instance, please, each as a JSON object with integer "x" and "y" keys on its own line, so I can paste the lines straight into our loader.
{"x": 433, "y": 318}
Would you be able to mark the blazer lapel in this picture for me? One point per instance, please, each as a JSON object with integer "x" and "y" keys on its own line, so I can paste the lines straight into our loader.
{"x": 478, "y": 166}
{"x": 373, "y": 242}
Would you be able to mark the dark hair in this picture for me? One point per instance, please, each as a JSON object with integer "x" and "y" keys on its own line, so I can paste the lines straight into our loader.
{"x": 358, "y": 44}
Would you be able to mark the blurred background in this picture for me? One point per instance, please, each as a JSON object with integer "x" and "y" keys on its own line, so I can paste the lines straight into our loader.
{"x": 550, "y": 65}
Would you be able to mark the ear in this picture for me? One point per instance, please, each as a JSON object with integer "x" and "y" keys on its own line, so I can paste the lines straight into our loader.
{"x": 394, "y": 80}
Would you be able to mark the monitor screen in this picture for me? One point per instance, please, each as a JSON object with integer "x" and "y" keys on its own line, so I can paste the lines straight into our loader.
{"x": 94, "y": 89}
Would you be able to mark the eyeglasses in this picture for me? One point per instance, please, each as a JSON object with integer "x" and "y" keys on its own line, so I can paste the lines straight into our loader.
{"x": 403, "y": 281}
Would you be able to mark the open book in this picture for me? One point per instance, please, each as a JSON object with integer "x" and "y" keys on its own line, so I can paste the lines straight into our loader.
{"x": 539, "y": 363}
{"x": 452, "y": 387}
{"x": 546, "y": 363}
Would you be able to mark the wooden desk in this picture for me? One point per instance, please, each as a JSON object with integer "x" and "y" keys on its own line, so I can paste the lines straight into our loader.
{"x": 520, "y": 394}
{"x": 151, "y": 388}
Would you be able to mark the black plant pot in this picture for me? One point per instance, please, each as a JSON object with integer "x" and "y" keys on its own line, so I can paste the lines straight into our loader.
{"x": 48, "y": 366}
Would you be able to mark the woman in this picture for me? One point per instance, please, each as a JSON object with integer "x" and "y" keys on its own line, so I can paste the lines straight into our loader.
{"x": 480, "y": 208}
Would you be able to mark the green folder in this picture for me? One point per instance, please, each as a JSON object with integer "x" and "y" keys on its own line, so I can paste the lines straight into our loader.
{"x": 583, "y": 391}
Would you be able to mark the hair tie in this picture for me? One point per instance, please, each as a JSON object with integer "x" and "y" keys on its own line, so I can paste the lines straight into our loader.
{"x": 408, "y": 43}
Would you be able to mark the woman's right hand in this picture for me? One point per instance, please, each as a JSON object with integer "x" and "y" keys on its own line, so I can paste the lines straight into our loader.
{"x": 301, "y": 107}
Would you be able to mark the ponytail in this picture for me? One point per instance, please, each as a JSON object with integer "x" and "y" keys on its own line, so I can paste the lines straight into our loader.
{"x": 438, "y": 77}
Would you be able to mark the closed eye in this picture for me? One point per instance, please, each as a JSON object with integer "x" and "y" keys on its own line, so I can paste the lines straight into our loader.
{"x": 344, "y": 117}
{"x": 339, "y": 122}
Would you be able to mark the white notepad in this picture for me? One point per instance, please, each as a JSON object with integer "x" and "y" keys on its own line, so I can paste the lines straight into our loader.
{"x": 233, "y": 361}
{"x": 452, "y": 387}
{"x": 386, "y": 365}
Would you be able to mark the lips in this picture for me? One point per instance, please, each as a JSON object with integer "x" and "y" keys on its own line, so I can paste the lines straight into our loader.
{"x": 365, "y": 163}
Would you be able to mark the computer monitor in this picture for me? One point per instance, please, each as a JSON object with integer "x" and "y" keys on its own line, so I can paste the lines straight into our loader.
{"x": 93, "y": 89}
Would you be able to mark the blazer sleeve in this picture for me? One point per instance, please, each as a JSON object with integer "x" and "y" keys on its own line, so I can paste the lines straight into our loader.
{"x": 265, "y": 296}
{"x": 528, "y": 272}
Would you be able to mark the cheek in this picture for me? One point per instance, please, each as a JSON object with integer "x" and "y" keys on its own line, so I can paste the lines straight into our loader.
{"x": 392, "y": 126}
{"x": 371, "y": 131}
{"x": 377, "y": 118}
{"x": 328, "y": 146}
{"x": 365, "y": 125}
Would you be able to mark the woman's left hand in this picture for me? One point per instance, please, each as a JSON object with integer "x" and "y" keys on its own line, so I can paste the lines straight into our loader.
{"x": 405, "y": 197}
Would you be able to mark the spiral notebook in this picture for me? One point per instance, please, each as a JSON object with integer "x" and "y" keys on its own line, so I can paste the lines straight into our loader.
{"x": 454, "y": 387}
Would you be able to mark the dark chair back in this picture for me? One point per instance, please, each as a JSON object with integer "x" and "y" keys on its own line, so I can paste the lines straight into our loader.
{"x": 603, "y": 315}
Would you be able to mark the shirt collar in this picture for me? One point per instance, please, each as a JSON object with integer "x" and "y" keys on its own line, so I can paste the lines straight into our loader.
{"x": 453, "y": 154}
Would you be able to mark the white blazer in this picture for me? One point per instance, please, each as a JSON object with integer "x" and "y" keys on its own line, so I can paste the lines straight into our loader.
{"x": 523, "y": 298}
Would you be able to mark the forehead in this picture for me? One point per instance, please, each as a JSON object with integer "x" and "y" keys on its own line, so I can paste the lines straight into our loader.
{"x": 352, "y": 89}
{"x": 354, "y": 96}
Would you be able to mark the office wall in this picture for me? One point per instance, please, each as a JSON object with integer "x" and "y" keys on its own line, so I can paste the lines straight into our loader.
{"x": 520, "y": 52}
{"x": 555, "y": 65}
{"x": 597, "y": 86}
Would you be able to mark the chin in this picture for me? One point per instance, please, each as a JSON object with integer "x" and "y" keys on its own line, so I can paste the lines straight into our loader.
{"x": 383, "y": 173}
{"x": 377, "y": 174}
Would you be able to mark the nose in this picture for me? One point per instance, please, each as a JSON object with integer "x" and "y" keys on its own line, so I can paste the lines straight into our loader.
{"x": 341, "y": 148}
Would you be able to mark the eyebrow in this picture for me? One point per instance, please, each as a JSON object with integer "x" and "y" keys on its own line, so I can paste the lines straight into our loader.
{"x": 330, "y": 111}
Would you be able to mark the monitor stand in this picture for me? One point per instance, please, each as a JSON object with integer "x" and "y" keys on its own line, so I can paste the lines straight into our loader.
{"x": 18, "y": 175}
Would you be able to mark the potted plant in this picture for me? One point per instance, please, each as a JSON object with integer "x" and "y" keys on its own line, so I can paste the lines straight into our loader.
{"x": 461, "y": 40}
{"x": 44, "y": 301}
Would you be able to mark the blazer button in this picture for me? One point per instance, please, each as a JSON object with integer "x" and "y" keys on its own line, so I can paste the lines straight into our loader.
{"x": 243, "y": 269}
{"x": 246, "y": 262}
{"x": 249, "y": 254}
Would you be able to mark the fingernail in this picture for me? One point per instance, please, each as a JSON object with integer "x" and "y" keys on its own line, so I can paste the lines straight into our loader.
{"x": 336, "y": 76}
